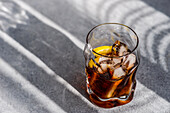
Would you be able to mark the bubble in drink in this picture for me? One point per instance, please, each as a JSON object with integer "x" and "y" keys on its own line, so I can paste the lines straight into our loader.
{"x": 110, "y": 76}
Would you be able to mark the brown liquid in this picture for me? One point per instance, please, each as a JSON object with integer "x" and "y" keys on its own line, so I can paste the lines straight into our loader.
{"x": 105, "y": 86}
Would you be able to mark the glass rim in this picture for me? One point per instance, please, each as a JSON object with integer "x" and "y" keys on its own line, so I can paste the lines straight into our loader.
{"x": 137, "y": 43}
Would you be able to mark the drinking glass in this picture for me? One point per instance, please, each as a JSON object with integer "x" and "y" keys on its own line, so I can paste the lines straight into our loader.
{"x": 111, "y": 61}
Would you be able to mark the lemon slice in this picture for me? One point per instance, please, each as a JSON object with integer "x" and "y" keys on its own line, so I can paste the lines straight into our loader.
{"x": 103, "y": 50}
{"x": 92, "y": 63}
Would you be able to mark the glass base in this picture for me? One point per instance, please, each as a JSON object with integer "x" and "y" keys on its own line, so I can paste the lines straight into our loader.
{"x": 111, "y": 102}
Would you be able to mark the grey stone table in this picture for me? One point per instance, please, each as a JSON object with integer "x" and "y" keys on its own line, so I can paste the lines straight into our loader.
{"x": 41, "y": 59}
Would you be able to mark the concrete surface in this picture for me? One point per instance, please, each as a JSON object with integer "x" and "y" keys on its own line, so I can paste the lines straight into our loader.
{"x": 41, "y": 57}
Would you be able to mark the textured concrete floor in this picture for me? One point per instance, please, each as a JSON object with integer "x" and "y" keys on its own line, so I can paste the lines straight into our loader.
{"x": 41, "y": 57}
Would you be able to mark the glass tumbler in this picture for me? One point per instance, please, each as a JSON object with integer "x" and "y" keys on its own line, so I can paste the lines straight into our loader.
{"x": 111, "y": 61}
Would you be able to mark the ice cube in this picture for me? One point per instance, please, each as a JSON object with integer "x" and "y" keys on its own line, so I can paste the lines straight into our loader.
{"x": 111, "y": 67}
{"x": 104, "y": 67}
{"x": 117, "y": 60}
{"x": 105, "y": 64}
{"x": 104, "y": 59}
{"x": 122, "y": 50}
{"x": 129, "y": 61}
{"x": 119, "y": 48}
{"x": 118, "y": 72}
{"x": 111, "y": 63}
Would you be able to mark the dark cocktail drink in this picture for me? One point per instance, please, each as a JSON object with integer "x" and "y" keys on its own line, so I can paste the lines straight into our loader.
{"x": 111, "y": 65}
